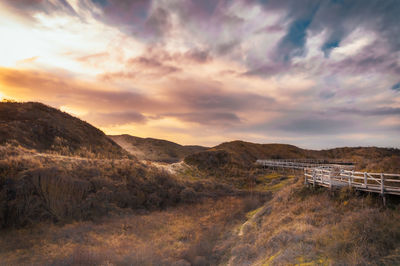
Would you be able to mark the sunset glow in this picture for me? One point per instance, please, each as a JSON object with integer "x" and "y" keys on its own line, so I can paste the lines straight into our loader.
{"x": 204, "y": 72}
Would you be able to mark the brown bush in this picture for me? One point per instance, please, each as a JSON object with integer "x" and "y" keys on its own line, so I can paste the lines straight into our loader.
{"x": 36, "y": 188}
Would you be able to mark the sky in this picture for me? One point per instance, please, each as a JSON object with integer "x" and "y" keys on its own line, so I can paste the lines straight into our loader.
{"x": 316, "y": 74}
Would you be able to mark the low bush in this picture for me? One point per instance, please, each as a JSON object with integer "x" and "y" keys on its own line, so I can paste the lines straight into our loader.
{"x": 35, "y": 188}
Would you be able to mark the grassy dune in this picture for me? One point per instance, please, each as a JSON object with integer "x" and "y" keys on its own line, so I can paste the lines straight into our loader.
{"x": 37, "y": 187}
{"x": 312, "y": 226}
{"x": 120, "y": 212}
{"x": 46, "y": 129}
{"x": 156, "y": 150}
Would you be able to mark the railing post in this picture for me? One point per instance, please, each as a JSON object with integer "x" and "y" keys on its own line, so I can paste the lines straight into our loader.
{"x": 314, "y": 173}
{"x": 305, "y": 177}
{"x": 383, "y": 189}
{"x": 350, "y": 178}
{"x": 365, "y": 180}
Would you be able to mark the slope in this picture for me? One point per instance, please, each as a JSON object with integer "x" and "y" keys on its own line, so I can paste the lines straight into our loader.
{"x": 240, "y": 154}
{"x": 46, "y": 129}
{"x": 155, "y": 149}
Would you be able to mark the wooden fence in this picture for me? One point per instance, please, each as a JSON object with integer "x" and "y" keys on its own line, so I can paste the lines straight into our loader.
{"x": 305, "y": 163}
{"x": 338, "y": 174}
{"x": 382, "y": 183}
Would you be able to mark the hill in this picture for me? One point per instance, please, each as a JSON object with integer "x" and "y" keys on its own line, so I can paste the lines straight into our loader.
{"x": 155, "y": 149}
{"x": 240, "y": 154}
{"x": 46, "y": 129}
{"x": 55, "y": 167}
{"x": 248, "y": 152}
{"x": 130, "y": 212}
{"x": 38, "y": 188}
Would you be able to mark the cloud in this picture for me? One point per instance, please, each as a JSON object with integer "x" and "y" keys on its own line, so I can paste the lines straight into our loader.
{"x": 187, "y": 100}
{"x": 218, "y": 119}
{"x": 267, "y": 70}
{"x": 116, "y": 118}
{"x": 158, "y": 24}
{"x": 151, "y": 64}
{"x": 337, "y": 18}
{"x": 36, "y": 85}
{"x": 315, "y": 126}
{"x": 226, "y": 47}
{"x": 383, "y": 111}
{"x": 143, "y": 67}
{"x": 396, "y": 87}
{"x": 372, "y": 58}
{"x": 329, "y": 45}
{"x": 155, "y": 62}
{"x": 197, "y": 56}
{"x": 140, "y": 18}
{"x": 260, "y": 70}
{"x": 92, "y": 57}
{"x": 293, "y": 43}
{"x": 208, "y": 96}
{"x": 126, "y": 12}
{"x": 27, "y": 8}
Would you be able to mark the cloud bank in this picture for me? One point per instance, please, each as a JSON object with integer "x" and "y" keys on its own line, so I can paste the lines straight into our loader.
{"x": 312, "y": 73}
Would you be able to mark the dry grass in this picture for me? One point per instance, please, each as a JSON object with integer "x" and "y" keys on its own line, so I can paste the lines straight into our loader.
{"x": 46, "y": 129}
{"x": 43, "y": 187}
{"x": 120, "y": 212}
{"x": 157, "y": 150}
{"x": 199, "y": 234}
{"x": 231, "y": 158}
{"x": 303, "y": 225}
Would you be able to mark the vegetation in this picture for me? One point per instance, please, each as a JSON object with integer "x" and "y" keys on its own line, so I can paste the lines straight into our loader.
{"x": 155, "y": 149}
{"x": 45, "y": 129}
{"x": 69, "y": 195}
{"x": 308, "y": 226}
{"x": 36, "y": 187}
{"x": 235, "y": 155}
{"x": 195, "y": 234}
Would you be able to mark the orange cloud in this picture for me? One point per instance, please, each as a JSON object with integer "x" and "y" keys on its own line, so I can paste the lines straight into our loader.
{"x": 59, "y": 90}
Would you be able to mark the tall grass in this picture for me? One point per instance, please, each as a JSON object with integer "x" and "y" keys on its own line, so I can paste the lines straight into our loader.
{"x": 43, "y": 187}
{"x": 195, "y": 234}
{"x": 304, "y": 225}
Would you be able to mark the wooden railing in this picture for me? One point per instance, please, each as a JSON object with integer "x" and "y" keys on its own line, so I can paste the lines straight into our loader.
{"x": 338, "y": 173}
{"x": 382, "y": 183}
{"x": 305, "y": 163}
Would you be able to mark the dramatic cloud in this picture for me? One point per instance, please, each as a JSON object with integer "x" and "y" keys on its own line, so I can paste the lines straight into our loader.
{"x": 114, "y": 119}
{"x": 61, "y": 90}
{"x": 313, "y": 73}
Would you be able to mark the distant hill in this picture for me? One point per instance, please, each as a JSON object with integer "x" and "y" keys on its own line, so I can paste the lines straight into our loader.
{"x": 155, "y": 149}
{"x": 46, "y": 129}
{"x": 233, "y": 154}
{"x": 249, "y": 152}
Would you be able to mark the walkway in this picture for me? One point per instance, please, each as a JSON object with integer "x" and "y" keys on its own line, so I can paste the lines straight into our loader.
{"x": 337, "y": 174}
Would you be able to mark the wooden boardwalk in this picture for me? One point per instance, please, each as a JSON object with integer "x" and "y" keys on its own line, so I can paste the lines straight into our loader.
{"x": 305, "y": 163}
{"x": 381, "y": 183}
{"x": 338, "y": 174}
